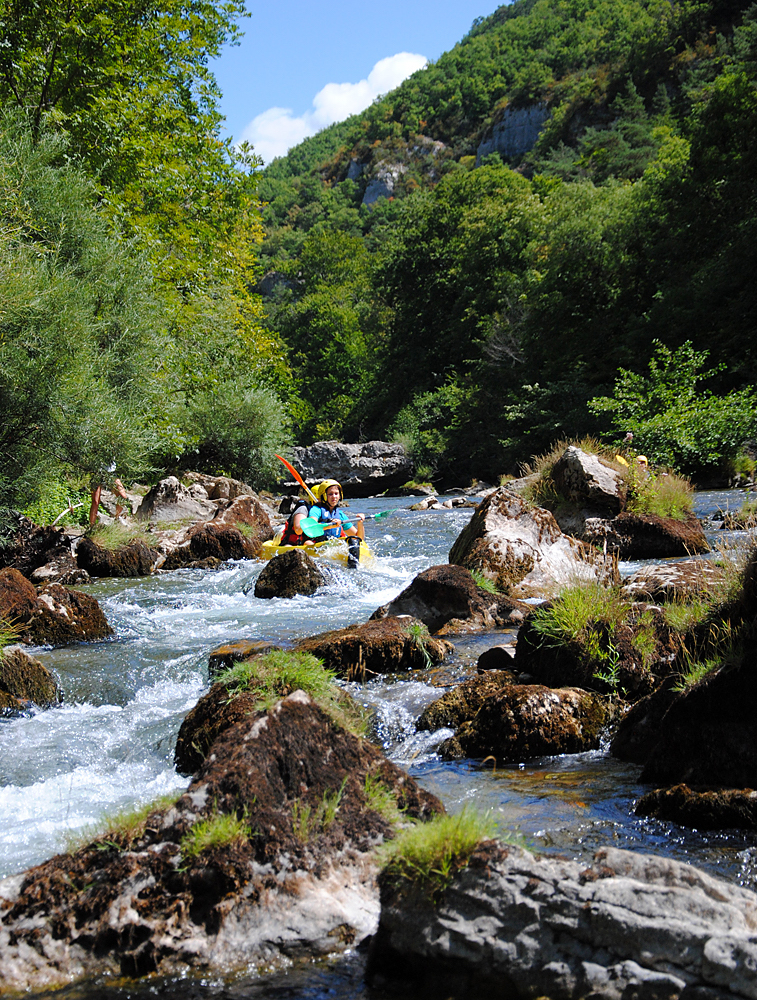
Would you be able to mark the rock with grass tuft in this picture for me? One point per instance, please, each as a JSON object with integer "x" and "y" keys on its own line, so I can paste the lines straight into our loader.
{"x": 52, "y": 616}
{"x": 135, "y": 558}
{"x": 24, "y": 682}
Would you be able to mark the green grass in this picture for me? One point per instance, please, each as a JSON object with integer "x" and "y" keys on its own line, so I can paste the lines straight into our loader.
{"x": 119, "y": 830}
{"x": 115, "y": 536}
{"x": 664, "y": 494}
{"x": 9, "y": 634}
{"x": 644, "y": 639}
{"x": 577, "y": 611}
{"x": 697, "y": 672}
{"x": 54, "y": 497}
{"x": 277, "y": 674}
{"x": 381, "y": 799}
{"x": 430, "y": 854}
{"x": 308, "y": 822}
{"x": 682, "y": 616}
{"x": 419, "y": 633}
{"x": 219, "y": 830}
{"x": 483, "y": 582}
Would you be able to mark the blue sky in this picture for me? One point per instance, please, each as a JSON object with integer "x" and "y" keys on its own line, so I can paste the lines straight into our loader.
{"x": 302, "y": 65}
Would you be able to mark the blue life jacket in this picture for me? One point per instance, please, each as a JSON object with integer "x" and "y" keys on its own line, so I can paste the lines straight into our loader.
{"x": 323, "y": 514}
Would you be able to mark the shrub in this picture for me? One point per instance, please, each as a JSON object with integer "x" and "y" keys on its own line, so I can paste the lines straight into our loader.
{"x": 277, "y": 674}
{"x": 662, "y": 493}
{"x": 430, "y": 854}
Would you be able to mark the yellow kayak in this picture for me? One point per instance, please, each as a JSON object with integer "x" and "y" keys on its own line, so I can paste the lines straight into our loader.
{"x": 329, "y": 548}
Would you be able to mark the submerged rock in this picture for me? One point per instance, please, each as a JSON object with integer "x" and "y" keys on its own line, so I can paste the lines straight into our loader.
{"x": 520, "y": 721}
{"x": 517, "y": 925}
{"x": 289, "y": 574}
{"x": 720, "y": 809}
{"x": 388, "y": 646}
{"x": 447, "y": 597}
{"x": 52, "y": 616}
{"x": 292, "y": 875}
{"x": 24, "y": 682}
{"x": 521, "y": 549}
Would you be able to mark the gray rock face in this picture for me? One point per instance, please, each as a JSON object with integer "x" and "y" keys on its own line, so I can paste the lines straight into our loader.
{"x": 170, "y": 500}
{"x": 382, "y": 184}
{"x": 515, "y": 134}
{"x": 630, "y": 925}
{"x": 522, "y": 550}
{"x": 361, "y": 468}
{"x": 583, "y": 478}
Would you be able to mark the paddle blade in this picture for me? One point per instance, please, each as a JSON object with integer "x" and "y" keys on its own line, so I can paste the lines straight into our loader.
{"x": 311, "y": 527}
{"x": 385, "y": 513}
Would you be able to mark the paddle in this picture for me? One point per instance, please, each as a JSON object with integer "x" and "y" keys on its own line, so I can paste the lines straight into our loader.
{"x": 298, "y": 478}
{"x": 315, "y": 529}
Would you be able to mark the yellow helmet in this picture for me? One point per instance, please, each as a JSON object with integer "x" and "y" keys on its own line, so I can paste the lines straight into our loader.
{"x": 320, "y": 489}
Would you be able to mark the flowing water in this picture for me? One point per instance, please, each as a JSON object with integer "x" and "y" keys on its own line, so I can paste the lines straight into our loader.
{"x": 110, "y": 746}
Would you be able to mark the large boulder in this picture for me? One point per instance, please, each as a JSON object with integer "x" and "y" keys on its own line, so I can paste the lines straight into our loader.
{"x": 647, "y": 536}
{"x": 171, "y": 501}
{"x": 218, "y": 487}
{"x": 460, "y": 704}
{"x": 52, "y": 616}
{"x": 237, "y": 530}
{"x": 520, "y": 721}
{"x": 290, "y": 872}
{"x": 521, "y": 549}
{"x": 288, "y": 575}
{"x": 447, "y": 597}
{"x": 588, "y": 482}
{"x": 362, "y": 469}
{"x": 133, "y": 559}
{"x": 388, "y": 646}
{"x": 513, "y": 924}
{"x": 24, "y": 682}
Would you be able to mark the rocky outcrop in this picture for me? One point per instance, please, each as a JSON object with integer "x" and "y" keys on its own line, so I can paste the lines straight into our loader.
{"x": 719, "y": 809}
{"x": 520, "y": 721}
{"x": 461, "y": 703}
{"x": 25, "y": 682}
{"x": 133, "y": 559}
{"x": 42, "y": 554}
{"x": 217, "y": 487}
{"x": 294, "y": 874}
{"x": 388, "y": 646}
{"x": 521, "y": 549}
{"x": 224, "y": 657}
{"x": 647, "y": 536}
{"x": 515, "y": 134}
{"x": 673, "y": 581}
{"x": 586, "y": 480}
{"x": 362, "y": 469}
{"x": 382, "y": 184}
{"x": 289, "y": 574}
{"x": 171, "y": 501}
{"x": 516, "y": 925}
{"x": 52, "y": 616}
{"x": 447, "y": 598}
{"x": 237, "y": 531}
{"x": 637, "y": 654}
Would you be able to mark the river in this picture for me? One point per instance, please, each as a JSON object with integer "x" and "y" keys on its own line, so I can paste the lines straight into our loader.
{"x": 110, "y": 746}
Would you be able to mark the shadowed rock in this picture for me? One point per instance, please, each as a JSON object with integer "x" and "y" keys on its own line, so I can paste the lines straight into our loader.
{"x": 647, "y": 536}
{"x": 52, "y": 616}
{"x": 388, "y": 646}
{"x": 289, "y": 574}
{"x": 447, "y": 597}
{"x": 237, "y": 531}
{"x": 721, "y": 809}
{"x": 32, "y": 549}
{"x": 520, "y": 721}
{"x": 463, "y": 701}
{"x": 25, "y": 681}
{"x": 363, "y": 469}
{"x": 225, "y": 656}
{"x": 132, "y": 559}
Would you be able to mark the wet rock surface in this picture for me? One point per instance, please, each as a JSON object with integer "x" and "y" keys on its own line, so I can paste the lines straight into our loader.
{"x": 52, "y": 616}
{"x": 463, "y": 701}
{"x": 522, "y": 926}
{"x": 522, "y": 550}
{"x": 388, "y": 646}
{"x": 521, "y": 721}
{"x": 25, "y": 681}
{"x": 134, "y": 559}
{"x": 716, "y": 809}
{"x": 289, "y": 574}
{"x": 142, "y": 902}
{"x": 447, "y": 598}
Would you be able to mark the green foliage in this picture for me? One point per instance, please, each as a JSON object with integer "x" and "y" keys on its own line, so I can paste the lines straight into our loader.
{"x": 277, "y": 674}
{"x": 54, "y": 497}
{"x": 219, "y": 830}
{"x": 114, "y": 536}
{"x": 381, "y": 799}
{"x": 308, "y": 822}
{"x": 483, "y": 582}
{"x": 674, "y": 422}
{"x": 662, "y": 493}
{"x": 419, "y": 633}
{"x": 429, "y": 855}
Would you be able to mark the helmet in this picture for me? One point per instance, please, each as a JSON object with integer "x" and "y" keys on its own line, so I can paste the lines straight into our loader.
{"x": 320, "y": 489}
{"x": 642, "y": 460}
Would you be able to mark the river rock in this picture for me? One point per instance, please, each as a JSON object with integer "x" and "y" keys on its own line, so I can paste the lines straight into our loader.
{"x": 521, "y": 549}
{"x": 647, "y": 536}
{"x": 30, "y": 548}
{"x": 447, "y": 597}
{"x": 52, "y": 616}
{"x": 293, "y": 881}
{"x": 463, "y": 701}
{"x": 673, "y": 581}
{"x": 224, "y": 657}
{"x": 517, "y": 925}
{"x": 218, "y": 487}
{"x": 169, "y": 500}
{"x": 24, "y": 682}
{"x": 719, "y": 809}
{"x": 362, "y": 469}
{"x": 496, "y": 658}
{"x": 644, "y": 651}
{"x": 587, "y": 481}
{"x": 520, "y": 721}
{"x": 289, "y": 574}
{"x": 237, "y": 531}
{"x": 388, "y": 646}
{"x": 135, "y": 558}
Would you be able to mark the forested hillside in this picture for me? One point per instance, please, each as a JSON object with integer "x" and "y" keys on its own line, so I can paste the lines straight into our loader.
{"x": 559, "y": 210}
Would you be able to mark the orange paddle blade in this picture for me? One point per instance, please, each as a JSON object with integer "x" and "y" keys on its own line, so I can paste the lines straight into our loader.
{"x": 298, "y": 478}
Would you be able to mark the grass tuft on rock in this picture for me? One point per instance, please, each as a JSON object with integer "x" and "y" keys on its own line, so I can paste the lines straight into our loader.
{"x": 116, "y": 536}
{"x": 429, "y": 855}
{"x": 380, "y": 799}
{"x": 664, "y": 494}
{"x": 9, "y": 634}
{"x": 220, "y": 830}
{"x": 578, "y": 612}
{"x": 277, "y": 674}
{"x": 119, "y": 830}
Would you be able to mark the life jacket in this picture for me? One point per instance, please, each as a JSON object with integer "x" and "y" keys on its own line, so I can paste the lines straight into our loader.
{"x": 323, "y": 515}
{"x": 290, "y": 536}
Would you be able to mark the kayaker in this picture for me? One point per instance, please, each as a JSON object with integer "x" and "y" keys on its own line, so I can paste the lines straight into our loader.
{"x": 329, "y": 494}
{"x": 293, "y": 533}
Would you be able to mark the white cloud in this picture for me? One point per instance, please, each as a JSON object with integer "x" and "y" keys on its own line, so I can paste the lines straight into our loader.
{"x": 276, "y": 130}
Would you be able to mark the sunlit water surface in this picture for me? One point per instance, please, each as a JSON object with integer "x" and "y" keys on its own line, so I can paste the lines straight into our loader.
{"x": 110, "y": 746}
